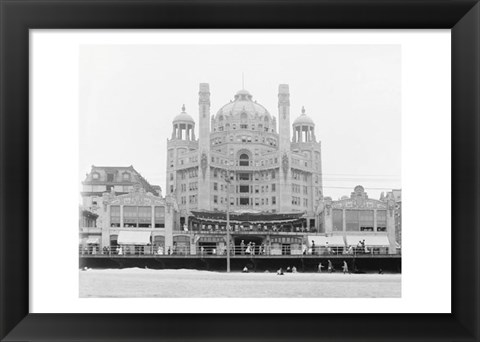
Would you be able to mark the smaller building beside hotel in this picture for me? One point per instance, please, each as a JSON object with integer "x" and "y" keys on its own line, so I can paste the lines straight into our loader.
{"x": 360, "y": 218}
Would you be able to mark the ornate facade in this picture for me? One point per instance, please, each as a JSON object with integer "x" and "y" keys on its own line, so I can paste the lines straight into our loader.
{"x": 245, "y": 151}
{"x": 360, "y": 218}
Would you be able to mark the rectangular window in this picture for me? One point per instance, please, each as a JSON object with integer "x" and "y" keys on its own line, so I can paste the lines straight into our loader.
{"x": 130, "y": 216}
{"x": 273, "y": 187}
{"x": 381, "y": 218}
{"x": 273, "y": 174}
{"x": 337, "y": 218}
{"x": 115, "y": 215}
{"x": 145, "y": 217}
{"x": 244, "y": 176}
{"x": 366, "y": 220}
{"x": 244, "y": 201}
{"x": 160, "y": 216}
{"x": 215, "y": 186}
{"x": 215, "y": 199}
{"x": 352, "y": 220}
{"x": 244, "y": 188}
{"x": 274, "y": 200}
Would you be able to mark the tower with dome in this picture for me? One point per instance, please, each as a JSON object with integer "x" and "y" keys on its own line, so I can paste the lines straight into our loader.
{"x": 270, "y": 166}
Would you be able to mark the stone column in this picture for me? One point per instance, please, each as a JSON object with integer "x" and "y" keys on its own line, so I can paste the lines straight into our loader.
{"x": 153, "y": 217}
{"x": 391, "y": 228}
{"x": 375, "y": 220}
{"x": 344, "y": 221}
{"x": 169, "y": 221}
{"x": 105, "y": 228}
{"x": 121, "y": 216}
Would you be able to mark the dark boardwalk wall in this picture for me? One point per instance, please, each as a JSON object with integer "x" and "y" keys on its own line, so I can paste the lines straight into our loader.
{"x": 307, "y": 264}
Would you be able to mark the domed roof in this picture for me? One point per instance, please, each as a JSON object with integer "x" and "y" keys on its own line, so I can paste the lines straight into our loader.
{"x": 243, "y": 103}
{"x": 183, "y": 116}
{"x": 303, "y": 119}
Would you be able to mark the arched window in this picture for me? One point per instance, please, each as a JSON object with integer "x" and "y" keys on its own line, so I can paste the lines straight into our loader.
{"x": 244, "y": 160}
{"x": 244, "y": 117}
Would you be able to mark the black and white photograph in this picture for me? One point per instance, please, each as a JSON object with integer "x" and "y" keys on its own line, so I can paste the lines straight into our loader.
{"x": 239, "y": 170}
{"x": 259, "y": 171}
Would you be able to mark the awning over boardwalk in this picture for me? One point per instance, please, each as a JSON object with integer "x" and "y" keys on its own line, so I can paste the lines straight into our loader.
{"x": 92, "y": 240}
{"x": 320, "y": 240}
{"x": 241, "y": 217}
{"x": 370, "y": 240}
{"x": 133, "y": 238}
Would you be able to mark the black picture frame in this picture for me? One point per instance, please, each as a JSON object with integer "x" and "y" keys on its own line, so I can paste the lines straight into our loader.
{"x": 18, "y": 16}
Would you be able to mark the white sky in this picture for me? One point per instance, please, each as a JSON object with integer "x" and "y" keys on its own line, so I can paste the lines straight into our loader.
{"x": 129, "y": 95}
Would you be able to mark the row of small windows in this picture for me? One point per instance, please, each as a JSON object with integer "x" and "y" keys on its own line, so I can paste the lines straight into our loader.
{"x": 298, "y": 201}
{"x": 192, "y": 159}
{"x": 299, "y": 162}
{"x": 192, "y": 199}
{"x": 245, "y": 201}
{"x": 192, "y": 186}
{"x": 296, "y": 189}
{"x": 247, "y": 188}
{"x": 246, "y": 162}
{"x": 359, "y": 220}
{"x": 263, "y": 175}
{"x": 111, "y": 176}
{"x": 137, "y": 216}
{"x": 296, "y": 175}
{"x": 245, "y": 139}
{"x": 244, "y": 126}
{"x": 190, "y": 173}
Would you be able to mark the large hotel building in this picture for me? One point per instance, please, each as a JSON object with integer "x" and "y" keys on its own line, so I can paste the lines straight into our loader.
{"x": 267, "y": 170}
{"x": 264, "y": 170}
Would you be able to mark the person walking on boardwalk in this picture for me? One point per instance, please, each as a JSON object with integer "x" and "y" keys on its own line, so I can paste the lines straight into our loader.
{"x": 248, "y": 250}
{"x": 330, "y": 266}
{"x": 320, "y": 266}
{"x": 242, "y": 247}
{"x": 345, "y": 267}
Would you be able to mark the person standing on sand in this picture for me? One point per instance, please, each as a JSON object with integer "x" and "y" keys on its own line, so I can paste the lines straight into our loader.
{"x": 330, "y": 266}
{"x": 345, "y": 267}
{"x": 320, "y": 266}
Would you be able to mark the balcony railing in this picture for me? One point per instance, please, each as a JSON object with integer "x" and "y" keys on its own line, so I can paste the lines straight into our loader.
{"x": 236, "y": 251}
